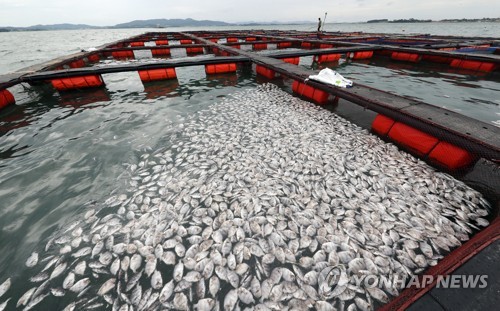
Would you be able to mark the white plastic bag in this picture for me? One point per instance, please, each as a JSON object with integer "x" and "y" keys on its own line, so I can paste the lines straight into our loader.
{"x": 329, "y": 76}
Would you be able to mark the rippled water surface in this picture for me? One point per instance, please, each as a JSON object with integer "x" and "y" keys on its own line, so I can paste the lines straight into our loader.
{"x": 61, "y": 152}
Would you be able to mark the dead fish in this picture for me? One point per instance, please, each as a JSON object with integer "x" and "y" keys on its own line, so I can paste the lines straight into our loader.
{"x": 70, "y": 307}
{"x": 135, "y": 297}
{"x": 245, "y": 296}
{"x": 80, "y": 268}
{"x": 35, "y": 301}
{"x": 150, "y": 265}
{"x": 82, "y": 252}
{"x": 69, "y": 280}
{"x": 132, "y": 282}
{"x": 57, "y": 292}
{"x": 32, "y": 260}
{"x": 205, "y": 304}
{"x": 214, "y": 286}
{"x": 105, "y": 258}
{"x": 168, "y": 258}
{"x": 378, "y": 294}
{"x": 166, "y": 292}
{"x": 323, "y": 306}
{"x": 5, "y": 287}
{"x": 192, "y": 277}
{"x": 25, "y": 297}
{"x": 42, "y": 276}
{"x": 97, "y": 249}
{"x": 80, "y": 285}
{"x": 58, "y": 270}
{"x": 362, "y": 304}
{"x": 106, "y": 287}
{"x": 178, "y": 271}
{"x": 180, "y": 301}
{"x": 230, "y": 300}
{"x": 115, "y": 266}
{"x": 3, "y": 305}
{"x": 135, "y": 262}
{"x": 156, "y": 280}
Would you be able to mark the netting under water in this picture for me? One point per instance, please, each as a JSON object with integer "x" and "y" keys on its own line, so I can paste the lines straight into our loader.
{"x": 249, "y": 204}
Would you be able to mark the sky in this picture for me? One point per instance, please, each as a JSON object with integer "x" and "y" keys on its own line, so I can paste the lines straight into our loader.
{"x": 110, "y": 12}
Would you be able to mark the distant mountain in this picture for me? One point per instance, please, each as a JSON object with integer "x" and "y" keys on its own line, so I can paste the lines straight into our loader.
{"x": 155, "y": 23}
{"x": 60, "y": 27}
{"x": 49, "y": 27}
{"x": 148, "y": 23}
{"x": 252, "y": 23}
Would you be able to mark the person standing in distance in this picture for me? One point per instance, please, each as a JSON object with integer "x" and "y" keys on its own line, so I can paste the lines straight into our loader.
{"x": 319, "y": 27}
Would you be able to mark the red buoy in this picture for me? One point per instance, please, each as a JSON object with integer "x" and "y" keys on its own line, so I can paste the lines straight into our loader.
{"x": 327, "y": 58}
{"x": 263, "y": 71}
{"x": 160, "y": 52}
{"x": 77, "y": 64}
{"x": 306, "y": 45}
{"x": 157, "y": 74}
{"x": 382, "y": 124}
{"x": 6, "y": 98}
{"x": 259, "y": 46}
{"x": 81, "y": 82}
{"x": 416, "y": 140}
{"x": 284, "y": 45}
{"x": 220, "y": 68}
{"x": 360, "y": 55}
{"x": 473, "y": 65}
{"x": 123, "y": 54}
{"x": 291, "y": 60}
{"x": 319, "y": 96}
{"x": 406, "y": 57}
{"x": 194, "y": 50}
{"x": 94, "y": 58}
{"x": 450, "y": 156}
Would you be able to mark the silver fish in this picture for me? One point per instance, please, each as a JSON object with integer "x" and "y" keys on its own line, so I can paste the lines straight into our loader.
{"x": 69, "y": 280}
{"x": 156, "y": 280}
{"x": 58, "y": 270}
{"x": 230, "y": 300}
{"x": 80, "y": 285}
{"x": 25, "y": 297}
{"x": 180, "y": 302}
{"x": 166, "y": 292}
{"x": 32, "y": 260}
{"x": 80, "y": 268}
{"x": 106, "y": 287}
{"x": 5, "y": 287}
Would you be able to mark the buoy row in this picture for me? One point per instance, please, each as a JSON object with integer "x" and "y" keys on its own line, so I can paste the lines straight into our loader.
{"x": 90, "y": 81}
{"x": 307, "y": 91}
{"x": 439, "y": 152}
{"x": 473, "y": 65}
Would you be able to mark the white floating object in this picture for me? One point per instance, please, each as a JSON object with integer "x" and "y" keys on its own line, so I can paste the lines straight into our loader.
{"x": 331, "y": 77}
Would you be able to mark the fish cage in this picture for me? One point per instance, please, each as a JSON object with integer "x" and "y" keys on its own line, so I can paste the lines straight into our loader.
{"x": 451, "y": 142}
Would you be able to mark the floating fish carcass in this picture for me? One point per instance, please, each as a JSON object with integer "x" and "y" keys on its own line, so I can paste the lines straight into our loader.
{"x": 257, "y": 197}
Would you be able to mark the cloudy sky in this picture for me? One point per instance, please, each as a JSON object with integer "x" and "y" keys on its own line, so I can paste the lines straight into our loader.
{"x": 111, "y": 12}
